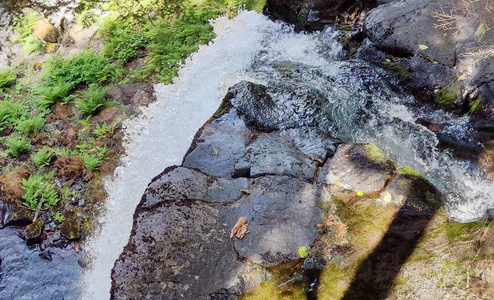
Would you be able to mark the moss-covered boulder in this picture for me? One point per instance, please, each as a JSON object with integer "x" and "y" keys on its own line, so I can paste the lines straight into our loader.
{"x": 33, "y": 232}
{"x": 11, "y": 207}
{"x": 356, "y": 168}
{"x": 70, "y": 229}
{"x": 69, "y": 168}
{"x": 45, "y": 31}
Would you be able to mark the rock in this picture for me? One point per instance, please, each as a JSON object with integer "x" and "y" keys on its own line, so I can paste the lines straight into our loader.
{"x": 178, "y": 184}
{"x": 45, "y": 31}
{"x": 218, "y": 145}
{"x": 275, "y": 154}
{"x": 61, "y": 111}
{"x": 33, "y": 232}
{"x": 185, "y": 238}
{"x": 107, "y": 115}
{"x": 11, "y": 207}
{"x": 70, "y": 229}
{"x": 69, "y": 168}
{"x": 51, "y": 48}
{"x": 282, "y": 214}
{"x": 312, "y": 14}
{"x": 132, "y": 94}
{"x": 46, "y": 255}
{"x": 357, "y": 168}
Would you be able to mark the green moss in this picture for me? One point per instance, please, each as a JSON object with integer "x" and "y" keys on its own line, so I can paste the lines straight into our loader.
{"x": 374, "y": 154}
{"x": 34, "y": 230}
{"x": 475, "y": 105}
{"x": 407, "y": 171}
{"x": 460, "y": 231}
{"x": 446, "y": 96}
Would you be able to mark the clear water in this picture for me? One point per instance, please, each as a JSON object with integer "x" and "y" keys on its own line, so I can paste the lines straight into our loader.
{"x": 359, "y": 104}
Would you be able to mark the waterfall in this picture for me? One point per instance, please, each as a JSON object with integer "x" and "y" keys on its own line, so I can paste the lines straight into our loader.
{"x": 358, "y": 107}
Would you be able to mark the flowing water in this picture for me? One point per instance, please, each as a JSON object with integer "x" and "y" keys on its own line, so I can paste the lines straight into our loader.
{"x": 356, "y": 104}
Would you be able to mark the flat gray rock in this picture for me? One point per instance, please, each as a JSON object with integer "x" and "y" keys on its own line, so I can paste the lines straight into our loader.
{"x": 219, "y": 144}
{"x": 282, "y": 214}
{"x": 357, "y": 168}
{"x": 275, "y": 154}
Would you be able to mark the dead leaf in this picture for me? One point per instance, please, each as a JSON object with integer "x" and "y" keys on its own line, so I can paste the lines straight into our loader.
{"x": 462, "y": 77}
{"x": 76, "y": 246}
{"x": 240, "y": 229}
{"x": 423, "y": 47}
{"x": 215, "y": 151}
{"x": 247, "y": 192}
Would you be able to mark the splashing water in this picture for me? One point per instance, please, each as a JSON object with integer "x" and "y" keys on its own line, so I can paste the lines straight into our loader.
{"x": 358, "y": 106}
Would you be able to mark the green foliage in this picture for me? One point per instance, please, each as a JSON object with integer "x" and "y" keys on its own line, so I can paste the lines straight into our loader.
{"x": 17, "y": 144}
{"x": 6, "y": 78}
{"x": 43, "y": 156}
{"x": 93, "y": 100}
{"x": 35, "y": 189}
{"x": 446, "y": 96}
{"x": 474, "y": 106}
{"x": 58, "y": 217}
{"x": 24, "y": 29}
{"x": 31, "y": 125}
{"x": 303, "y": 251}
{"x": 86, "y": 67}
{"x": 104, "y": 130}
{"x": 171, "y": 44}
{"x": 122, "y": 42}
{"x": 91, "y": 162}
{"x": 10, "y": 113}
{"x": 48, "y": 95}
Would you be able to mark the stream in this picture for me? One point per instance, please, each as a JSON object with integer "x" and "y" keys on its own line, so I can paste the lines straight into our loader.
{"x": 355, "y": 104}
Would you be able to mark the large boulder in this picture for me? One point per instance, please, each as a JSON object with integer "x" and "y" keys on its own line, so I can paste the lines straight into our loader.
{"x": 313, "y": 14}
{"x": 45, "y": 31}
{"x": 11, "y": 202}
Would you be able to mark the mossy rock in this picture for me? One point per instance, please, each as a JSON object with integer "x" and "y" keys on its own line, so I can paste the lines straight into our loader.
{"x": 33, "y": 232}
{"x": 45, "y": 31}
{"x": 447, "y": 96}
{"x": 70, "y": 229}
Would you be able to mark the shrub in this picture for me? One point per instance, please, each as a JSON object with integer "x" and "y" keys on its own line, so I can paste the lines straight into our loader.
{"x": 18, "y": 145}
{"x": 86, "y": 67}
{"x": 10, "y": 113}
{"x": 122, "y": 42}
{"x": 32, "y": 125}
{"x": 90, "y": 162}
{"x": 48, "y": 95}
{"x": 93, "y": 100}
{"x": 6, "y": 78}
{"x": 37, "y": 190}
{"x": 43, "y": 156}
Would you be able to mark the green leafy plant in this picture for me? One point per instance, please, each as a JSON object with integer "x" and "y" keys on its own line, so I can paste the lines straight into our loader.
{"x": 91, "y": 162}
{"x": 58, "y": 217}
{"x": 38, "y": 191}
{"x": 10, "y": 113}
{"x": 104, "y": 130}
{"x": 50, "y": 94}
{"x": 17, "y": 145}
{"x": 86, "y": 67}
{"x": 6, "y": 78}
{"x": 122, "y": 42}
{"x": 32, "y": 125}
{"x": 43, "y": 156}
{"x": 93, "y": 100}
{"x": 24, "y": 29}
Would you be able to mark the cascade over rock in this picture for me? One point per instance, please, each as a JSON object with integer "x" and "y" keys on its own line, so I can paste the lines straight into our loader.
{"x": 239, "y": 167}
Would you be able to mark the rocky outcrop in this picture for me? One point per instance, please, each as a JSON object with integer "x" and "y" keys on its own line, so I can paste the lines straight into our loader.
{"x": 313, "y": 14}
{"x": 276, "y": 175}
{"x": 438, "y": 61}
{"x": 11, "y": 202}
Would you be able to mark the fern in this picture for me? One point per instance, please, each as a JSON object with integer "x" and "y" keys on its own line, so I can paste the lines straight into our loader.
{"x": 50, "y": 94}
{"x": 90, "y": 162}
{"x": 93, "y": 100}
{"x": 17, "y": 145}
{"x": 43, "y": 156}
{"x": 35, "y": 188}
{"x": 10, "y": 113}
{"x": 32, "y": 125}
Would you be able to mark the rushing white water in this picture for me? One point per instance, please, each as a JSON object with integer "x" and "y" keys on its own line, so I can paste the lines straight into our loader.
{"x": 247, "y": 48}
{"x": 161, "y": 136}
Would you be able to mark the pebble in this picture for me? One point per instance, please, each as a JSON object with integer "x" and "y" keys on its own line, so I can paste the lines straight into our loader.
{"x": 46, "y": 255}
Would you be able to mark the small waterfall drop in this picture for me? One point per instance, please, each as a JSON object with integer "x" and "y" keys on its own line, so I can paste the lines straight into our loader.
{"x": 359, "y": 107}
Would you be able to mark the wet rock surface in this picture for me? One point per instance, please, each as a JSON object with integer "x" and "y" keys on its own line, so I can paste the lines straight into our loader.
{"x": 11, "y": 207}
{"x": 247, "y": 163}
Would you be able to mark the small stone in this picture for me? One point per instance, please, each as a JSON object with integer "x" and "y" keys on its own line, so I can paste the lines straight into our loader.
{"x": 70, "y": 229}
{"x": 46, "y": 255}
{"x": 33, "y": 232}
{"x": 81, "y": 202}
